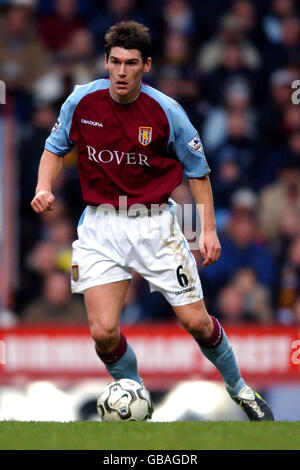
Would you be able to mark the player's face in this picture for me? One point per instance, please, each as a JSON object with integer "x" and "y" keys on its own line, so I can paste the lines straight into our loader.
{"x": 126, "y": 69}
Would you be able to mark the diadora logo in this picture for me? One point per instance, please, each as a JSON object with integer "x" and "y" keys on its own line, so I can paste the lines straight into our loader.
{"x": 92, "y": 123}
{"x": 108, "y": 156}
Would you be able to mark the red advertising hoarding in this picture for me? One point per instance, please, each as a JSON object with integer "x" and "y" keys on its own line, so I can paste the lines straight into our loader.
{"x": 166, "y": 354}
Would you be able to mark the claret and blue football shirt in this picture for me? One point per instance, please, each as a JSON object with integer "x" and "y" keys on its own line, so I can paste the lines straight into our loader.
{"x": 137, "y": 149}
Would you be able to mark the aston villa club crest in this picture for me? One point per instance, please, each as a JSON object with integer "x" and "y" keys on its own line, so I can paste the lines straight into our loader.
{"x": 145, "y": 135}
{"x": 75, "y": 272}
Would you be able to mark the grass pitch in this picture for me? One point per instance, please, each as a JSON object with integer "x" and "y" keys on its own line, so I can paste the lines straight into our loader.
{"x": 88, "y": 435}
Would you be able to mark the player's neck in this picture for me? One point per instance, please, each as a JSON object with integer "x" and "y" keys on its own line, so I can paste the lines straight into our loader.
{"x": 125, "y": 99}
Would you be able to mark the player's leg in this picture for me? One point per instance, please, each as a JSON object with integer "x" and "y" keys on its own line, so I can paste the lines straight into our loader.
{"x": 99, "y": 274}
{"x": 171, "y": 269}
{"x": 212, "y": 340}
{"x": 210, "y": 336}
{"x": 104, "y": 305}
{"x": 214, "y": 344}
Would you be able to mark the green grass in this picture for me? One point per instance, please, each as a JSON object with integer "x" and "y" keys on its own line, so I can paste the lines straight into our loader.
{"x": 227, "y": 435}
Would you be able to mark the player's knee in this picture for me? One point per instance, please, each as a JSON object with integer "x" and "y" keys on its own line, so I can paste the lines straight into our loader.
{"x": 198, "y": 326}
{"x": 105, "y": 338}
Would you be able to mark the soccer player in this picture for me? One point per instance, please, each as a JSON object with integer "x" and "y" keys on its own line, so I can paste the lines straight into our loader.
{"x": 133, "y": 144}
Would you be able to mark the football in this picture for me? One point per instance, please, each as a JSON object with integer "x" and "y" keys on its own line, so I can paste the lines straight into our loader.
{"x": 124, "y": 400}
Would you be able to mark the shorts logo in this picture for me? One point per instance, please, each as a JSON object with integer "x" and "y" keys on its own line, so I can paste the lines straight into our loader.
{"x": 184, "y": 291}
{"x": 75, "y": 272}
{"x": 145, "y": 135}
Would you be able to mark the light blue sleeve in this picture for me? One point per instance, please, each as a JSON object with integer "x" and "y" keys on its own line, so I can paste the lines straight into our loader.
{"x": 59, "y": 141}
{"x": 186, "y": 143}
{"x": 184, "y": 139}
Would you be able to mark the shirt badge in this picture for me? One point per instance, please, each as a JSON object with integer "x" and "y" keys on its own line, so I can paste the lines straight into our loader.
{"x": 196, "y": 144}
{"x": 57, "y": 125}
{"x": 145, "y": 135}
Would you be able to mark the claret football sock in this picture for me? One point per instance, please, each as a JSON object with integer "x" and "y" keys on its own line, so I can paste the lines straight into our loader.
{"x": 121, "y": 363}
{"x": 218, "y": 351}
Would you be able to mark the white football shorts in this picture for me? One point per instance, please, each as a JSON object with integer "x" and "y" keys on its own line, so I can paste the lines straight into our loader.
{"x": 111, "y": 244}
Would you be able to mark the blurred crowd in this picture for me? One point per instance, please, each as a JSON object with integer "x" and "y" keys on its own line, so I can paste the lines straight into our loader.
{"x": 231, "y": 65}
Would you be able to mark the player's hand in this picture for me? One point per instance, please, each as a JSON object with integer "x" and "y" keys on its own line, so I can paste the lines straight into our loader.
{"x": 210, "y": 248}
{"x": 42, "y": 201}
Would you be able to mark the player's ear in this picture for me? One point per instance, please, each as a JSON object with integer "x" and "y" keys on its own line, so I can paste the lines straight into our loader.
{"x": 106, "y": 62}
{"x": 147, "y": 65}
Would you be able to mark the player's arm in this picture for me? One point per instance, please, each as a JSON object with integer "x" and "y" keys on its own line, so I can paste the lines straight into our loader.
{"x": 49, "y": 169}
{"x": 185, "y": 141}
{"x": 210, "y": 247}
{"x": 57, "y": 145}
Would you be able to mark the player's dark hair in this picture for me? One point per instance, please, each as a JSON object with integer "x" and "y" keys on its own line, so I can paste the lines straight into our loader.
{"x": 129, "y": 35}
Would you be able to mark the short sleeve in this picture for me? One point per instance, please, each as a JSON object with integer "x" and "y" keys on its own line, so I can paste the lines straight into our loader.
{"x": 186, "y": 143}
{"x": 59, "y": 141}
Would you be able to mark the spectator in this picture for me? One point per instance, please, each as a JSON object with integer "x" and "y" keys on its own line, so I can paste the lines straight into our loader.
{"x": 256, "y": 298}
{"x": 276, "y": 198}
{"x": 226, "y": 180}
{"x": 289, "y": 229}
{"x": 291, "y": 122}
{"x": 279, "y": 55}
{"x": 270, "y": 123}
{"x": 42, "y": 259}
{"x": 236, "y": 96}
{"x": 179, "y": 17}
{"x": 56, "y": 304}
{"x": 238, "y": 201}
{"x": 57, "y": 27}
{"x": 177, "y": 51}
{"x": 245, "y": 12}
{"x": 75, "y": 64}
{"x": 287, "y": 155}
{"x": 240, "y": 249}
{"x": 31, "y": 147}
{"x": 272, "y": 21}
{"x": 230, "y": 306}
{"x": 60, "y": 233}
{"x": 79, "y": 52}
{"x": 23, "y": 59}
{"x": 232, "y": 66}
{"x": 53, "y": 252}
{"x": 230, "y": 31}
{"x": 244, "y": 202}
{"x": 234, "y": 162}
{"x": 37, "y": 264}
{"x": 111, "y": 13}
{"x": 289, "y": 283}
